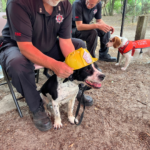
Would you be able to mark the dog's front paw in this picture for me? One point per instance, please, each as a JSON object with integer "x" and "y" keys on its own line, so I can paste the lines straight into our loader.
{"x": 117, "y": 64}
{"x": 123, "y": 68}
{"x": 57, "y": 124}
{"x": 71, "y": 119}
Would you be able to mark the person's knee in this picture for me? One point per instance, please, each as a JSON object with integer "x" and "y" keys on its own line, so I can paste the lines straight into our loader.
{"x": 93, "y": 33}
{"x": 78, "y": 43}
{"x": 103, "y": 34}
{"x": 19, "y": 66}
{"x": 92, "y": 36}
{"x": 82, "y": 44}
{"x": 105, "y": 37}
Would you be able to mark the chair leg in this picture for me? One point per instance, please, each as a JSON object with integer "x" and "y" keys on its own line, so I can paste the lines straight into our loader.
{"x": 12, "y": 93}
{"x": 37, "y": 76}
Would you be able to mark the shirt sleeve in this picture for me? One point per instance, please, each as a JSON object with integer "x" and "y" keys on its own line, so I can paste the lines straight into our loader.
{"x": 99, "y": 9}
{"x": 20, "y": 26}
{"x": 65, "y": 29}
{"x": 78, "y": 11}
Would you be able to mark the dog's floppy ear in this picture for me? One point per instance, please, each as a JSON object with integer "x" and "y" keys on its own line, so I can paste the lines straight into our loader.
{"x": 117, "y": 42}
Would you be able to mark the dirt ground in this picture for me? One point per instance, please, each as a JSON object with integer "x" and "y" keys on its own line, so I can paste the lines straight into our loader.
{"x": 118, "y": 120}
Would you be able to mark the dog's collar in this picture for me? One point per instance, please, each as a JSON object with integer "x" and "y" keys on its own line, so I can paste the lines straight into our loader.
{"x": 126, "y": 48}
{"x": 123, "y": 47}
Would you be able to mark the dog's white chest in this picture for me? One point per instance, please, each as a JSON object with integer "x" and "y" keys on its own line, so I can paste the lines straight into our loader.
{"x": 66, "y": 91}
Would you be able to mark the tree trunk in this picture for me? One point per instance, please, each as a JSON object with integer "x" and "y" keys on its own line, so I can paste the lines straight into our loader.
{"x": 104, "y": 10}
{"x": 134, "y": 13}
{"x": 1, "y": 6}
{"x": 111, "y": 7}
{"x": 142, "y": 6}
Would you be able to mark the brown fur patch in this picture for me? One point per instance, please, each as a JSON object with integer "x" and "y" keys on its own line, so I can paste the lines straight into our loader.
{"x": 117, "y": 42}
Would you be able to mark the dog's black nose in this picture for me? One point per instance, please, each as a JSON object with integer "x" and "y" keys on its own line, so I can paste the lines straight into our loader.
{"x": 101, "y": 77}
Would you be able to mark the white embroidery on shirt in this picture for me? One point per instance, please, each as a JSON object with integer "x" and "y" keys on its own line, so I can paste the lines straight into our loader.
{"x": 40, "y": 10}
{"x": 59, "y": 8}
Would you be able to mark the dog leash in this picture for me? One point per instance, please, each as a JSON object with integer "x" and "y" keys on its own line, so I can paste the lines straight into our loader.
{"x": 84, "y": 88}
{"x": 78, "y": 108}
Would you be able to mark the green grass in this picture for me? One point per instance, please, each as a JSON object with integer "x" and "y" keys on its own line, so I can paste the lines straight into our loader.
{"x": 4, "y": 4}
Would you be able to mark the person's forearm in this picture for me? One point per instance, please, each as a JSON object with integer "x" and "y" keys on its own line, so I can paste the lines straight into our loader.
{"x": 100, "y": 21}
{"x": 36, "y": 56}
{"x": 82, "y": 27}
{"x": 66, "y": 46}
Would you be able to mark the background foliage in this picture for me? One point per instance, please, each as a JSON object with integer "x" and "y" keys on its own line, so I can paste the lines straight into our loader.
{"x": 111, "y": 7}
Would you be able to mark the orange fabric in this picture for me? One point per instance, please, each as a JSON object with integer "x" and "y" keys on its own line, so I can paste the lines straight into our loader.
{"x": 132, "y": 45}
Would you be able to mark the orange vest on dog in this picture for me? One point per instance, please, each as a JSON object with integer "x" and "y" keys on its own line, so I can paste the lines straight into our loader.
{"x": 132, "y": 45}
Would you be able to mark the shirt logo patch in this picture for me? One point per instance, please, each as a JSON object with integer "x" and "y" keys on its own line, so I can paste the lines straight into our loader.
{"x": 76, "y": 17}
{"x": 17, "y": 34}
{"x": 59, "y": 18}
{"x": 95, "y": 11}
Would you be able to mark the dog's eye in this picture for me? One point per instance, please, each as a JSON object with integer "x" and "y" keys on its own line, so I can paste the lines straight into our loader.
{"x": 110, "y": 40}
{"x": 88, "y": 69}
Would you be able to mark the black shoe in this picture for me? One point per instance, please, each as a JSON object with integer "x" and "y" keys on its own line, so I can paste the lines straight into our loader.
{"x": 87, "y": 99}
{"x": 107, "y": 58}
{"x": 45, "y": 72}
{"x": 41, "y": 120}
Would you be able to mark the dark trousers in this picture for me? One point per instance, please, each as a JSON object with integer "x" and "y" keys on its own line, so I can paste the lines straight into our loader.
{"x": 21, "y": 70}
{"x": 90, "y": 36}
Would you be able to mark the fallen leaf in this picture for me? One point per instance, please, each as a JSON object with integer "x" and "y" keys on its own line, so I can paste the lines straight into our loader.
{"x": 71, "y": 145}
{"x": 148, "y": 134}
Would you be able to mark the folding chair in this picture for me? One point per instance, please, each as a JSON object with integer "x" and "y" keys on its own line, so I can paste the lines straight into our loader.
{"x": 6, "y": 77}
{"x": 8, "y": 81}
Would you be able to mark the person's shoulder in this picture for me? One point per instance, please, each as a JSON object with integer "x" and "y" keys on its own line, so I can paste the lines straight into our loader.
{"x": 78, "y": 2}
{"x": 66, "y": 6}
{"x": 27, "y": 5}
{"x": 65, "y": 3}
{"x": 23, "y": 3}
{"x": 99, "y": 4}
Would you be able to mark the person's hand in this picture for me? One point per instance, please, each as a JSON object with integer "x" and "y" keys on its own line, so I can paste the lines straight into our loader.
{"x": 104, "y": 27}
{"x": 62, "y": 70}
{"x": 112, "y": 30}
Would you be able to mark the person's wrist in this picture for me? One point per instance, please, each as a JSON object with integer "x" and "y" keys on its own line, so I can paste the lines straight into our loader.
{"x": 96, "y": 26}
{"x": 53, "y": 63}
